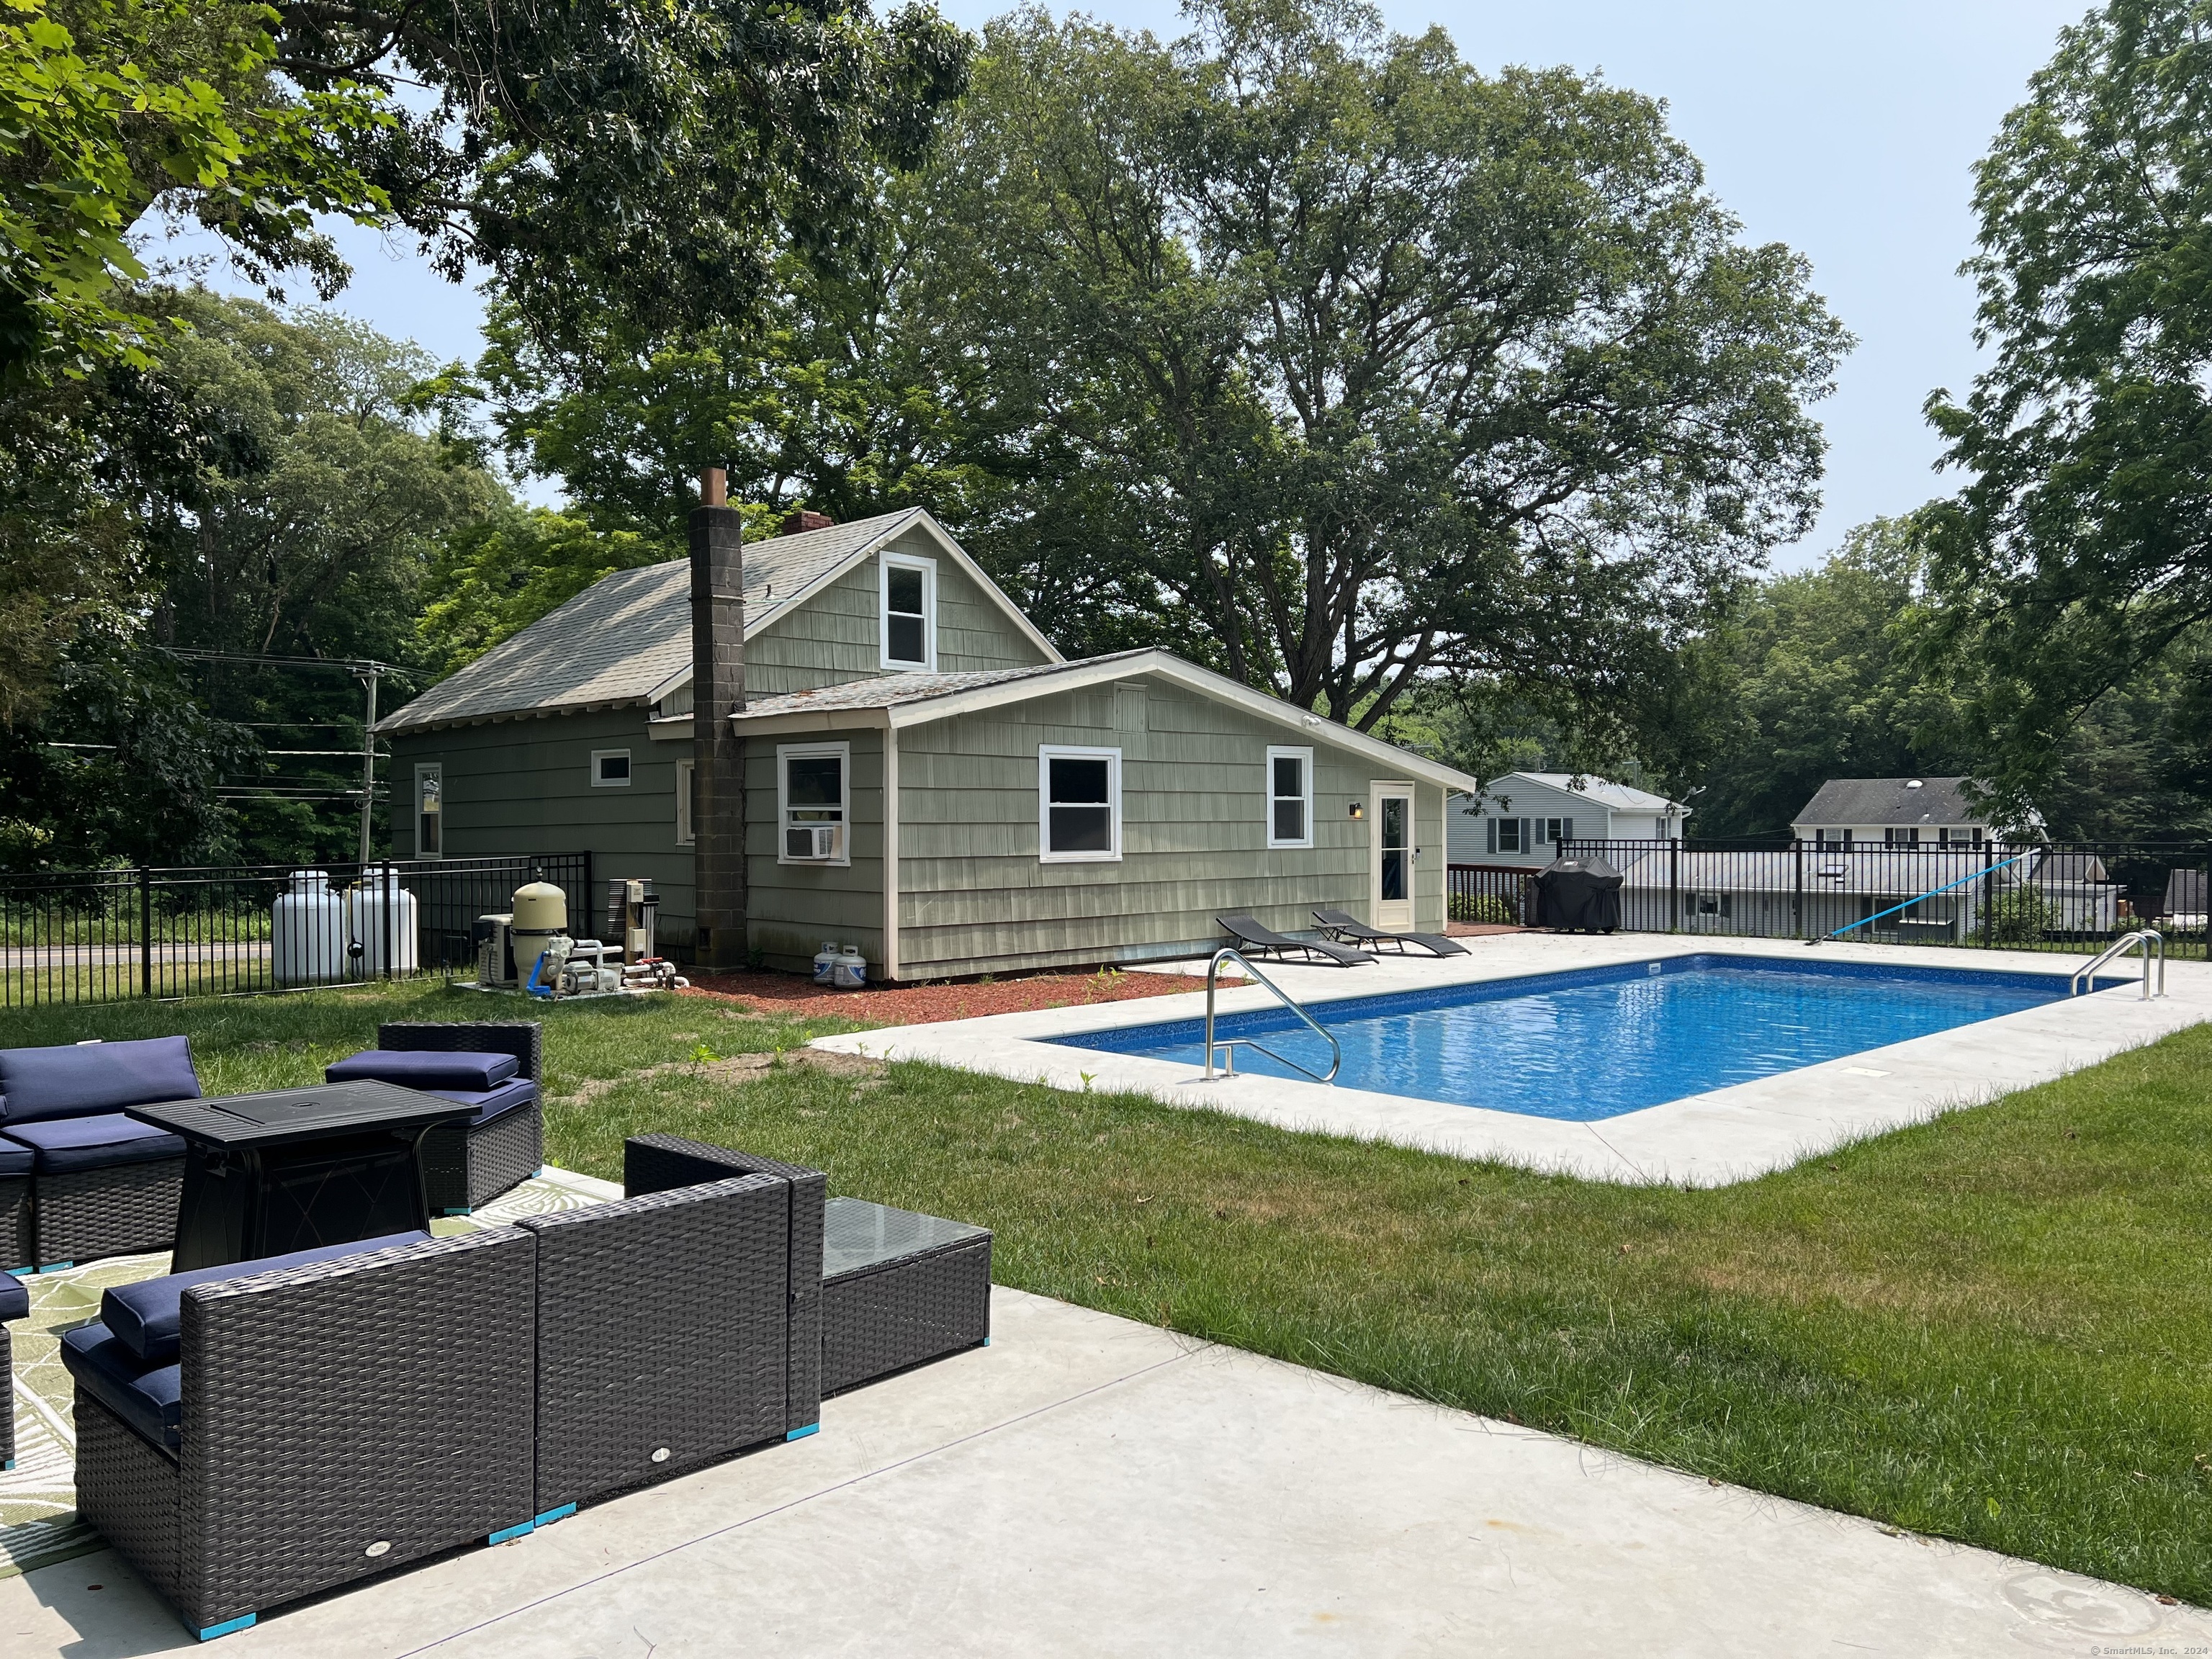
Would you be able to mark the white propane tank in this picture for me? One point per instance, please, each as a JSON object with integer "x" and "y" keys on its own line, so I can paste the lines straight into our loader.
{"x": 852, "y": 969}
{"x": 825, "y": 962}
{"x": 366, "y": 906}
{"x": 307, "y": 932}
{"x": 541, "y": 914}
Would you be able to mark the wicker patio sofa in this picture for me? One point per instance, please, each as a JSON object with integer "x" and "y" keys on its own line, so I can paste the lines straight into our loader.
{"x": 79, "y": 1180}
{"x": 318, "y": 1419}
{"x": 466, "y": 1165}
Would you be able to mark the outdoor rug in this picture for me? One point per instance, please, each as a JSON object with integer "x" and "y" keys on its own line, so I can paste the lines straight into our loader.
{"x": 39, "y": 1523}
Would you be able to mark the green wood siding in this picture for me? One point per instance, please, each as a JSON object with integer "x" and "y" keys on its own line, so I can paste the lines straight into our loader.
{"x": 974, "y": 897}
{"x": 792, "y": 907}
{"x": 834, "y": 637}
{"x": 520, "y": 787}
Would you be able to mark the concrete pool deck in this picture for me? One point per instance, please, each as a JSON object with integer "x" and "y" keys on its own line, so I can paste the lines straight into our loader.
{"x": 1088, "y": 1485}
{"x": 1702, "y": 1140}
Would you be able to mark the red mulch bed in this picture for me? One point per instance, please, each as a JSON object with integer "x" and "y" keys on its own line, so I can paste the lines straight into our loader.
{"x": 792, "y": 996}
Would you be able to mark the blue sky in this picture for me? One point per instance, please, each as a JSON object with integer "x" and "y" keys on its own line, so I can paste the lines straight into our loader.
{"x": 1847, "y": 132}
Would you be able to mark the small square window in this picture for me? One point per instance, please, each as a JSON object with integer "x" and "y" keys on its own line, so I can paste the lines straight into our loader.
{"x": 610, "y": 768}
{"x": 1289, "y": 797}
{"x": 1079, "y": 805}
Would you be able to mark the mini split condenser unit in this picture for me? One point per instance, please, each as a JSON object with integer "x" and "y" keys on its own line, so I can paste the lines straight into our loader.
{"x": 813, "y": 840}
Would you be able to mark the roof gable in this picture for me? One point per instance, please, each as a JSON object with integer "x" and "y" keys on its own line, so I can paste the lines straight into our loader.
{"x": 627, "y": 639}
{"x": 1615, "y": 797}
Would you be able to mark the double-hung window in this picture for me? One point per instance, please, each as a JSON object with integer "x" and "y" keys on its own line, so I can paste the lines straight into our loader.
{"x": 910, "y": 612}
{"x": 1509, "y": 834}
{"x": 813, "y": 802}
{"x": 1289, "y": 797}
{"x": 1079, "y": 804}
{"x": 430, "y": 812}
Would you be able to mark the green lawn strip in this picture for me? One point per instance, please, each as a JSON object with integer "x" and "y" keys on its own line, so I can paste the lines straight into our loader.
{"x": 1992, "y": 1328}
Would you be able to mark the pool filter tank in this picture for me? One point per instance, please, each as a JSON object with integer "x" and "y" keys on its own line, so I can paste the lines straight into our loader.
{"x": 541, "y": 915}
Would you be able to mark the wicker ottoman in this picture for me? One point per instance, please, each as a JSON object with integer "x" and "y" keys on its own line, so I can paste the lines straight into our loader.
{"x": 898, "y": 1289}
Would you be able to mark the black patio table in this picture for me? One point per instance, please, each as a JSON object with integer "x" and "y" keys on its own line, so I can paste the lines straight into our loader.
{"x": 297, "y": 1169}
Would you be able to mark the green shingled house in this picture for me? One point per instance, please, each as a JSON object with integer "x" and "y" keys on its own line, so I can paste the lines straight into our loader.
{"x": 924, "y": 775}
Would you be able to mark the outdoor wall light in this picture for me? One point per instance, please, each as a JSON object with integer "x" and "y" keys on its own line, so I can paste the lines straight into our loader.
{"x": 1357, "y": 811}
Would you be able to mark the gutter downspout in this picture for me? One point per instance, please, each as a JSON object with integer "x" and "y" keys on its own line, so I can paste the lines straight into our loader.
{"x": 891, "y": 854}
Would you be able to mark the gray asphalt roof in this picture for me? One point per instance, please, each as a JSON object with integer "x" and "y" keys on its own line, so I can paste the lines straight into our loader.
{"x": 1900, "y": 801}
{"x": 890, "y": 690}
{"x": 629, "y": 633}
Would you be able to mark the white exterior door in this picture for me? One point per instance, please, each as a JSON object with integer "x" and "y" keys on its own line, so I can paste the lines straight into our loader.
{"x": 1391, "y": 892}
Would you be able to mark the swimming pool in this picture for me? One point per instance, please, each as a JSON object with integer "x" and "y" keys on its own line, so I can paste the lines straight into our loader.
{"x": 1595, "y": 1043}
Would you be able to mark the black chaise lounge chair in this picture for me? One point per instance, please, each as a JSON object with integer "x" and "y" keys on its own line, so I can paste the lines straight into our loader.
{"x": 1343, "y": 925}
{"x": 1265, "y": 941}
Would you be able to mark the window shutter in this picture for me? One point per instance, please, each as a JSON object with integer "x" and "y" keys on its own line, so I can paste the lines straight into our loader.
{"x": 1528, "y": 828}
{"x": 1490, "y": 835}
{"x": 1566, "y": 828}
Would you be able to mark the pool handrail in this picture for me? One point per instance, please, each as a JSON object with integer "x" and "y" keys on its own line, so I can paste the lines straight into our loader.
{"x": 2148, "y": 938}
{"x": 1213, "y": 972}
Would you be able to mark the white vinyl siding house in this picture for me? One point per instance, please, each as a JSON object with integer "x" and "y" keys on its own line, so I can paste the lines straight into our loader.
{"x": 1521, "y": 817}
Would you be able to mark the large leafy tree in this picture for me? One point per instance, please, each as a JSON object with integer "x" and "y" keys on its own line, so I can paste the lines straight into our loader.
{"x": 1327, "y": 358}
{"x": 300, "y": 504}
{"x": 2079, "y": 555}
{"x": 1820, "y": 682}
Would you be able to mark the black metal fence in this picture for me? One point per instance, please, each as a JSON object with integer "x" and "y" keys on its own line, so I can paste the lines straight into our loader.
{"x": 108, "y": 935}
{"x": 2060, "y": 897}
{"x": 1491, "y": 895}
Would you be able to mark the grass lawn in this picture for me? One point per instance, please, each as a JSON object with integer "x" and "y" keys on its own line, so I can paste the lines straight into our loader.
{"x": 1995, "y": 1328}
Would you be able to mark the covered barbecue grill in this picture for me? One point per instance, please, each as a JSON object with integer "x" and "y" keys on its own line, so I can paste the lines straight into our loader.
{"x": 1583, "y": 894}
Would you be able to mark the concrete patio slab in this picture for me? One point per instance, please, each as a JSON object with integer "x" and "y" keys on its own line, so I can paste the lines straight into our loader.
{"x": 1087, "y": 1486}
{"x": 1708, "y": 1139}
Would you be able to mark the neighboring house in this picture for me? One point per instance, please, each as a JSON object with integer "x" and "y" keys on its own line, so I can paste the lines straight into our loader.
{"x": 1893, "y": 812}
{"x": 924, "y": 775}
{"x": 1520, "y": 818}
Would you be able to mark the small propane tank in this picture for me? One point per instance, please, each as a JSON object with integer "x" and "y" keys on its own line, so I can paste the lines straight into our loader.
{"x": 851, "y": 972}
{"x": 541, "y": 915}
{"x": 825, "y": 962}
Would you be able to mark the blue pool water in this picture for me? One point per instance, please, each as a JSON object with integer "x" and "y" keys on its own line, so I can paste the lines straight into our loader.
{"x": 1599, "y": 1041}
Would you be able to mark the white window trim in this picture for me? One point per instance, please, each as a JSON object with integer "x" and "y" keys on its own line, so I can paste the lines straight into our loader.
{"x": 886, "y": 563}
{"x": 786, "y": 753}
{"x": 430, "y": 769}
{"x": 1304, "y": 757}
{"x": 630, "y": 767}
{"x": 685, "y": 771}
{"x": 1048, "y": 752}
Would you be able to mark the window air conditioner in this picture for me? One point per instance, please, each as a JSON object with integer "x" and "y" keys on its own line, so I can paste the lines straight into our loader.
{"x": 813, "y": 841}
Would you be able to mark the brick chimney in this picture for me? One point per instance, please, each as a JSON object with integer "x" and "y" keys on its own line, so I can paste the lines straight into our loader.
{"x": 718, "y": 688}
{"x": 805, "y": 520}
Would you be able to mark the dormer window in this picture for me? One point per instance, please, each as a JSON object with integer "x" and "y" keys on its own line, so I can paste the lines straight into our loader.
{"x": 910, "y": 612}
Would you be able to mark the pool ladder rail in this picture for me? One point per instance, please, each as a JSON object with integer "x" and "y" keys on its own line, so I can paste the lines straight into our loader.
{"x": 1213, "y": 972}
{"x": 2149, "y": 939}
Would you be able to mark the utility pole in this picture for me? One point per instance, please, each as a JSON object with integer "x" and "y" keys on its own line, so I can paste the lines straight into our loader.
{"x": 367, "y": 674}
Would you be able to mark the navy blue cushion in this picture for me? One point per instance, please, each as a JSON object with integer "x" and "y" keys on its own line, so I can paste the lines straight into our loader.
{"x": 15, "y": 1298}
{"x": 85, "y": 1078}
{"x": 62, "y": 1144}
{"x": 424, "y": 1068}
{"x": 147, "y": 1317}
{"x": 15, "y": 1158}
{"x": 146, "y": 1397}
{"x": 492, "y": 1103}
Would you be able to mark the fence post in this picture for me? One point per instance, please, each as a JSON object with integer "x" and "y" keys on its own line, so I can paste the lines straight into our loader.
{"x": 389, "y": 880}
{"x": 145, "y": 932}
{"x": 1989, "y": 897}
{"x": 1798, "y": 917}
{"x": 1674, "y": 884}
